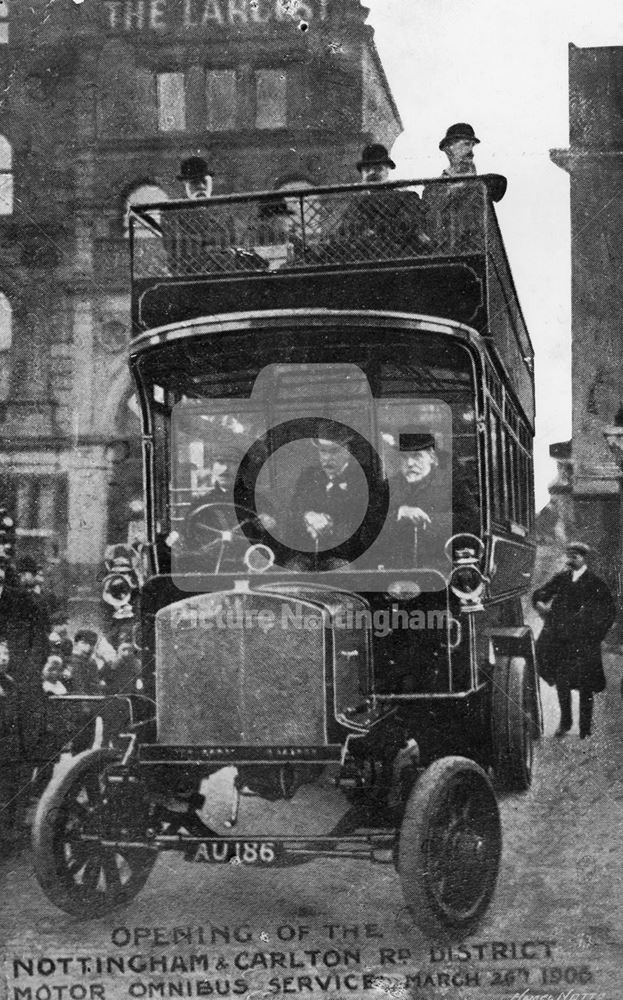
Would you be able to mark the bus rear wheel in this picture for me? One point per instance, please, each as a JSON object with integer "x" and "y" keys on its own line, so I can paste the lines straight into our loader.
{"x": 77, "y": 871}
{"x": 450, "y": 846}
{"x": 513, "y": 724}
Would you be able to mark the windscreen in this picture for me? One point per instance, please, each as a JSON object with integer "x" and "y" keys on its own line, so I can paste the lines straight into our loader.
{"x": 311, "y": 452}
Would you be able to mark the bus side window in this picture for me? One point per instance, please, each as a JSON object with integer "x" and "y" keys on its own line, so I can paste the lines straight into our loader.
{"x": 497, "y": 468}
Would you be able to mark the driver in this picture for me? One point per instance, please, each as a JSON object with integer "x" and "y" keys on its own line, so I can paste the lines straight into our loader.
{"x": 216, "y": 509}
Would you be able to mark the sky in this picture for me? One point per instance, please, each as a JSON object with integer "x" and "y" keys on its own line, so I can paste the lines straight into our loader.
{"x": 503, "y": 67}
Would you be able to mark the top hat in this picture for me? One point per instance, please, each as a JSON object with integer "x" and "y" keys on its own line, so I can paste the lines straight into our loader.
{"x": 375, "y": 155}
{"x": 461, "y": 130}
{"x": 195, "y": 168}
{"x": 276, "y": 206}
{"x": 410, "y": 441}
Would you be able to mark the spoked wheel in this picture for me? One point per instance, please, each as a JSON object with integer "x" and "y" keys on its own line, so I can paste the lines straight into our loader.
{"x": 85, "y": 877}
{"x": 513, "y": 721}
{"x": 450, "y": 846}
{"x": 217, "y": 529}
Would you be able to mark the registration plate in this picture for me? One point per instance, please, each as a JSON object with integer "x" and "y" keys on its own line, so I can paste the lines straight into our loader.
{"x": 235, "y": 852}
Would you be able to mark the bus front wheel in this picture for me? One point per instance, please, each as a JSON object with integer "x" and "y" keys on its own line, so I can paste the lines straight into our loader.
{"x": 77, "y": 870}
{"x": 450, "y": 846}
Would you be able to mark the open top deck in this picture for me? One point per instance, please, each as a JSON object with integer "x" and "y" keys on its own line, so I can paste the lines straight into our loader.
{"x": 429, "y": 247}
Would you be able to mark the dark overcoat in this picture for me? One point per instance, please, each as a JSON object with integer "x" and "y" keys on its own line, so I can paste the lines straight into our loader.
{"x": 25, "y": 626}
{"x": 341, "y": 500}
{"x": 579, "y": 618}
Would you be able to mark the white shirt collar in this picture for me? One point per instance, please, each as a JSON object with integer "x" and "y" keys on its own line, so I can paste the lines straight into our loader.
{"x": 577, "y": 573}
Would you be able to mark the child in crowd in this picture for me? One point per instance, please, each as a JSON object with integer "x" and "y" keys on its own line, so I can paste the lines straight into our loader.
{"x": 53, "y": 676}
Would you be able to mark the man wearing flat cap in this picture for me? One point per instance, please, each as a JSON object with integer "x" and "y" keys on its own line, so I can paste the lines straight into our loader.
{"x": 578, "y": 611}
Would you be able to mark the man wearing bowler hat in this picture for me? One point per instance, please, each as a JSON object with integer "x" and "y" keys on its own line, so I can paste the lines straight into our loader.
{"x": 458, "y": 144}
{"x": 456, "y": 212}
{"x": 198, "y": 241}
{"x": 196, "y": 176}
{"x": 578, "y": 611}
{"x": 375, "y": 164}
{"x": 384, "y": 223}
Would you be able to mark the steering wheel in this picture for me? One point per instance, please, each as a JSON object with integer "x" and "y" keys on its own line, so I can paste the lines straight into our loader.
{"x": 214, "y": 527}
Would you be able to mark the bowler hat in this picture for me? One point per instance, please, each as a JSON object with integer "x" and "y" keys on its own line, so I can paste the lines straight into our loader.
{"x": 195, "y": 168}
{"x": 375, "y": 155}
{"x": 456, "y": 132}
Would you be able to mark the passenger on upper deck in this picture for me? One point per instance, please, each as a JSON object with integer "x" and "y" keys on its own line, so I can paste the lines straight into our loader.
{"x": 377, "y": 225}
{"x": 198, "y": 241}
{"x": 456, "y": 212}
{"x": 274, "y": 235}
{"x": 196, "y": 176}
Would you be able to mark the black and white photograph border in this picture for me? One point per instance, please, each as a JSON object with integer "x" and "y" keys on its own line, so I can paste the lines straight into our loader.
{"x": 241, "y": 754}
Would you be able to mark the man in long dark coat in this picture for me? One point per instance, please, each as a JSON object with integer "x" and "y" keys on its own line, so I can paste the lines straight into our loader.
{"x": 578, "y": 610}
{"x": 26, "y": 629}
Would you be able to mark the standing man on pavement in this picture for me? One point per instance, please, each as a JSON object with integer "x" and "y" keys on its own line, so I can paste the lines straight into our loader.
{"x": 578, "y": 611}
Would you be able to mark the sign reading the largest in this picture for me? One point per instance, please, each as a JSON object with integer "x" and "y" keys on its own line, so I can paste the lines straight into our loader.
{"x": 176, "y": 15}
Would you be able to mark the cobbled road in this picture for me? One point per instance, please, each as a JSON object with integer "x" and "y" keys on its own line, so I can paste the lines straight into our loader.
{"x": 339, "y": 928}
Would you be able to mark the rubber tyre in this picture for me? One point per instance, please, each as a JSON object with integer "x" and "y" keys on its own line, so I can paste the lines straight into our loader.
{"x": 513, "y": 725}
{"x": 84, "y": 879}
{"x": 450, "y": 846}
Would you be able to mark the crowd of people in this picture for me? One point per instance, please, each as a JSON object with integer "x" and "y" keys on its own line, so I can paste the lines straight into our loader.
{"x": 39, "y": 660}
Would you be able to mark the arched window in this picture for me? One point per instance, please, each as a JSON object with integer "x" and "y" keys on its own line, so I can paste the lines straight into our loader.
{"x": 6, "y": 176}
{"x": 6, "y": 336}
{"x": 143, "y": 195}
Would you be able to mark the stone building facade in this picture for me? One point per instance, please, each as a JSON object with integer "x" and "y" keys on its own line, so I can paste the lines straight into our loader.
{"x": 99, "y": 101}
{"x": 590, "y": 480}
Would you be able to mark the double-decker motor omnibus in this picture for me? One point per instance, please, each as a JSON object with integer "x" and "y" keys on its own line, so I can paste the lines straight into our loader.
{"x": 372, "y": 643}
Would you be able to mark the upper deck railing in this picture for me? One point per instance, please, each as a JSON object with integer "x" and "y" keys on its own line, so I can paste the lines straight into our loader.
{"x": 322, "y": 230}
